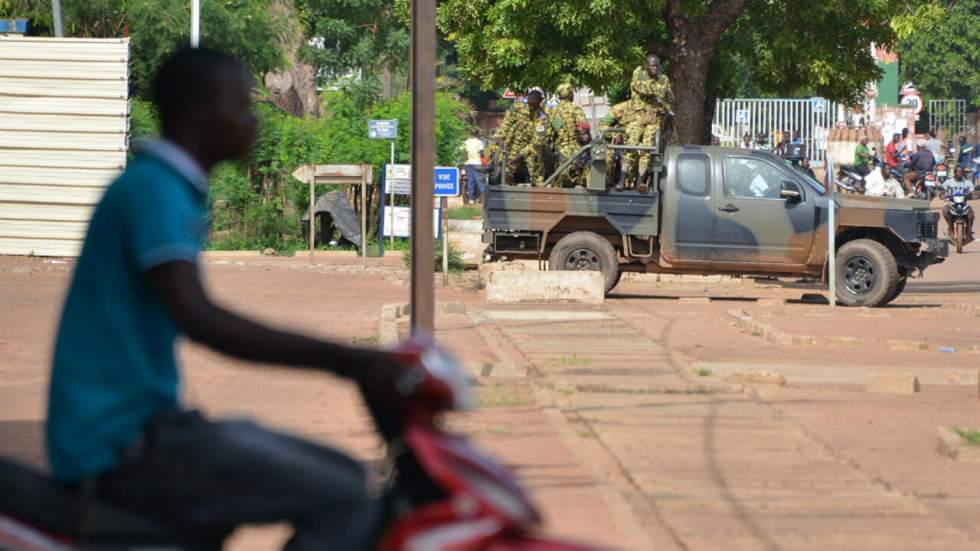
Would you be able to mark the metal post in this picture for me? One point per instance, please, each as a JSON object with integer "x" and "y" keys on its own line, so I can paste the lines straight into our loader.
{"x": 391, "y": 189}
{"x": 312, "y": 173}
{"x": 59, "y": 26}
{"x": 423, "y": 74}
{"x": 444, "y": 220}
{"x": 195, "y": 23}
{"x": 831, "y": 235}
{"x": 365, "y": 176}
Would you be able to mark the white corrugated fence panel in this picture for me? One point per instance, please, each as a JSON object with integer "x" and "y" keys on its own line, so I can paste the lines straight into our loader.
{"x": 55, "y": 88}
{"x": 106, "y": 160}
{"x": 38, "y": 246}
{"x": 48, "y": 176}
{"x": 62, "y": 123}
{"x": 63, "y": 136}
{"x": 40, "y": 211}
{"x": 63, "y": 140}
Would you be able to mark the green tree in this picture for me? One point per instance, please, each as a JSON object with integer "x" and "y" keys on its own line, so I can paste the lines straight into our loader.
{"x": 942, "y": 57}
{"x": 367, "y": 37}
{"x": 784, "y": 46}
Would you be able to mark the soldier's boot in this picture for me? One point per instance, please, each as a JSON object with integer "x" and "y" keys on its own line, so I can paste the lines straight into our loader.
{"x": 622, "y": 181}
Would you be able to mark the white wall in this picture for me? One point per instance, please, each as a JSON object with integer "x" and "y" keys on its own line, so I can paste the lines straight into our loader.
{"x": 64, "y": 107}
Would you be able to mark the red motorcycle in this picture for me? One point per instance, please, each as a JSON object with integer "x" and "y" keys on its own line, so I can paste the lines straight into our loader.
{"x": 444, "y": 495}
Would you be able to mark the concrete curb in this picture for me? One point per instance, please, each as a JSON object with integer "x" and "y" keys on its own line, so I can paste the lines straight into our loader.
{"x": 893, "y": 383}
{"x": 747, "y": 323}
{"x": 954, "y": 446}
{"x": 388, "y": 335}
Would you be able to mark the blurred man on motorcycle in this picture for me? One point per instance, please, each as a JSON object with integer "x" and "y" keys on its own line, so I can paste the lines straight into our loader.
{"x": 879, "y": 183}
{"x": 920, "y": 163}
{"x": 115, "y": 427}
{"x": 952, "y": 186}
{"x": 862, "y": 157}
{"x": 892, "y": 152}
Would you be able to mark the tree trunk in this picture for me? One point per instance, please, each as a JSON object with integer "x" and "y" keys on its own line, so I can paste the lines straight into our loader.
{"x": 690, "y": 52}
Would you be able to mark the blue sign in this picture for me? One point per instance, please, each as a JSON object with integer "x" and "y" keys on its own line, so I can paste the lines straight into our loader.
{"x": 446, "y": 182}
{"x": 383, "y": 129}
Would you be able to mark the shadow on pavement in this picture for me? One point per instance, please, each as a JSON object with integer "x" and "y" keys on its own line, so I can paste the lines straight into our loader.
{"x": 742, "y": 514}
{"x": 944, "y": 287}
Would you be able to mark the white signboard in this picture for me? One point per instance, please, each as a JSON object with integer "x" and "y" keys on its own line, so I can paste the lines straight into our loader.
{"x": 399, "y": 221}
{"x": 398, "y": 180}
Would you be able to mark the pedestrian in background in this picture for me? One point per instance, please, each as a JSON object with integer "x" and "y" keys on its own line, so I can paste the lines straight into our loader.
{"x": 476, "y": 176}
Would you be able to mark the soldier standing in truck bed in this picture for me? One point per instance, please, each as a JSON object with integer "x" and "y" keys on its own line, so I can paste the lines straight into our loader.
{"x": 653, "y": 88}
{"x": 564, "y": 119}
{"x": 526, "y": 133}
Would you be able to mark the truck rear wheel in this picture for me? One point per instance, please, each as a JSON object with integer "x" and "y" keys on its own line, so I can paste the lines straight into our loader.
{"x": 586, "y": 251}
{"x": 867, "y": 274}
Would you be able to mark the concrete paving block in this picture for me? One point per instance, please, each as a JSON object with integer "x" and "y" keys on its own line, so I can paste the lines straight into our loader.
{"x": 515, "y": 287}
{"x": 965, "y": 377}
{"x": 954, "y": 446}
{"x": 470, "y": 247}
{"x": 757, "y": 377}
{"x": 893, "y": 383}
{"x": 487, "y": 270}
{"x": 907, "y": 345}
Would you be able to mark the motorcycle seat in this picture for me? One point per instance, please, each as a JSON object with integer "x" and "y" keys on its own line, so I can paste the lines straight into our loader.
{"x": 32, "y": 497}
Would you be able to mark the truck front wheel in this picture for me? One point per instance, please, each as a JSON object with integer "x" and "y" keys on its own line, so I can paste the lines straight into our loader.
{"x": 586, "y": 251}
{"x": 867, "y": 274}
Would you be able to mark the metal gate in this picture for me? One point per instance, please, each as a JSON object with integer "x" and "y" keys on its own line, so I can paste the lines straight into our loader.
{"x": 948, "y": 115}
{"x": 812, "y": 118}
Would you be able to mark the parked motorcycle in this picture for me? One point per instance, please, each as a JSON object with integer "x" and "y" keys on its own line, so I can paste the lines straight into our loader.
{"x": 959, "y": 210}
{"x": 445, "y": 494}
{"x": 850, "y": 180}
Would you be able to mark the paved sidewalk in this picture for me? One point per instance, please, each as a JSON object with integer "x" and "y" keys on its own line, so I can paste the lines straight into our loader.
{"x": 703, "y": 464}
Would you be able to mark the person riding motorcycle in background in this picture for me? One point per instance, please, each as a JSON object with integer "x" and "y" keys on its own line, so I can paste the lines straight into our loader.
{"x": 952, "y": 186}
{"x": 920, "y": 163}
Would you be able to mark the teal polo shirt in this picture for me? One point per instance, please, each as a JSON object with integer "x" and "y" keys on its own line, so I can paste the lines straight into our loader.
{"x": 114, "y": 365}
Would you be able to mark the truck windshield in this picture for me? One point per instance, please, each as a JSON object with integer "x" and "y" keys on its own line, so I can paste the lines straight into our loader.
{"x": 809, "y": 179}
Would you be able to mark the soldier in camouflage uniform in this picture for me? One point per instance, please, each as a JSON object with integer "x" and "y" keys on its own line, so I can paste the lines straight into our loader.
{"x": 526, "y": 134}
{"x": 642, "y": 117}
{"x": 564, "y": 119}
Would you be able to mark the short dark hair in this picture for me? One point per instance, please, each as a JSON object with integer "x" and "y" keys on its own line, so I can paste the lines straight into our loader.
{"x": 536, "y": 93}
{"x": 187, "y": 77}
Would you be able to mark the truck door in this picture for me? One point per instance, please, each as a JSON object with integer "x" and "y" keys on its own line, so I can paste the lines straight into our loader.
{"x": 764, "y": 213}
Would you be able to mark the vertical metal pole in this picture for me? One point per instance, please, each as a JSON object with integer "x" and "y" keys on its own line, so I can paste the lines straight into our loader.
{"x": 391, "y": 189}
{"x": 59, "y": 25}
{"x": 365, "y": 177}
{"x": 444, "y": 220}
{"x": 423, "y": 73}
{"x": 831, "y": 235}
{"x": 195, "y": 23}
{"x": 312, "y": 173}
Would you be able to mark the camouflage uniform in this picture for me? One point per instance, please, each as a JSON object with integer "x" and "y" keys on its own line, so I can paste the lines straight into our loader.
{"x": 655, "y": 93}
{"x": 528, "y": 134}
{"x": 563, "y": 118}
{"x": 638, "y": 118}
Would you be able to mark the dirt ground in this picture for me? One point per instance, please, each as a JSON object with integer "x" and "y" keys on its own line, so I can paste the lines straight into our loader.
{"x": 622, "y": 419}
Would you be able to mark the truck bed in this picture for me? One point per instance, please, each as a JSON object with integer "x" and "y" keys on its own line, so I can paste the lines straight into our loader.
{"x": 523, "y": 208}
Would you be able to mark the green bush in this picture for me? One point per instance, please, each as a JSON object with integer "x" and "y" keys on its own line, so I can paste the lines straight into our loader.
{"x": 455, "y": 258}
{"x": 257, "y": 203}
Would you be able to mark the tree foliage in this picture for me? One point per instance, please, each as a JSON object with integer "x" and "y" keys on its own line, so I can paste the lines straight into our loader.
{"x": 356, "y": 35}
{"x": 781, "y": 46}
{"x": 942, "y": 57}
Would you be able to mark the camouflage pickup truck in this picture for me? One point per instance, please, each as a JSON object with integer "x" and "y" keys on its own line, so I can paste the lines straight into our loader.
{"x": 715, "y": 210}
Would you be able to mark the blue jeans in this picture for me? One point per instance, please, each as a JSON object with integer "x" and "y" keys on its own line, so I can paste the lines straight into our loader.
{"x": 476, "y": 181}
{"x": 219, "y": 474}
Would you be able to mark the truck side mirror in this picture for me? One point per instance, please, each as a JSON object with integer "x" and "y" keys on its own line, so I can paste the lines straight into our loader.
{"x": 790, "y": 191}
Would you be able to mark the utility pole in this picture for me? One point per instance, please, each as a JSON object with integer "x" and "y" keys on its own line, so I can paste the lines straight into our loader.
{"x": 195, "y": 23}
{"x": 59, "y": 25}
{"x": 423, "y": 73}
